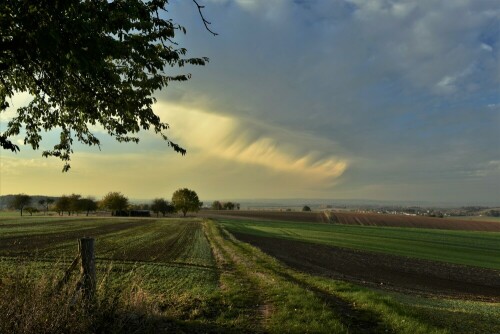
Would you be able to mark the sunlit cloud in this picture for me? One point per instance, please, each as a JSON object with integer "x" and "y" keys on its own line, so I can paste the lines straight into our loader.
{"x": 250, "y": 143}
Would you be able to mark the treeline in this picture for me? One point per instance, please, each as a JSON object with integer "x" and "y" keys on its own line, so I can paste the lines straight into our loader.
{"x": 217, "y": 205}
{"x": 183, "y": 200}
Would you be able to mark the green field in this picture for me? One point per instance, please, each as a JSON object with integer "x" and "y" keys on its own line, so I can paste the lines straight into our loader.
{"x": 193, "y": 276}
{"x": 149, "y": 246}
{"x": 481, "y": 249}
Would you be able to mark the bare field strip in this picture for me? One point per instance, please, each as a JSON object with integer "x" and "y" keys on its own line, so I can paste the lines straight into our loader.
{"x": 302, "y": 217}
{"x": 383, "y": 271}
{"x": 362, "y": 219}
{"x": 373, "y": 219}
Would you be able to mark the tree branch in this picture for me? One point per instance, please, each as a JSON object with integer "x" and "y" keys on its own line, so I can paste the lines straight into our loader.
{"x": 205, "y": 22}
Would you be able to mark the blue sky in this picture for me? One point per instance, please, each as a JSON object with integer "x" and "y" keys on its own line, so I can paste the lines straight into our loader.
{"x": 322, "y": 99}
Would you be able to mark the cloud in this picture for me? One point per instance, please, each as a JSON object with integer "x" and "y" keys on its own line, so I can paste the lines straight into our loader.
{"x": 402, "y": 88}
{"x": 251, "y": 143}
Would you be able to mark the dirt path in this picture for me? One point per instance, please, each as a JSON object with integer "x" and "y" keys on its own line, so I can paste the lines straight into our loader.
{"x": 383, "y": 271}
{"x": 239, "y": 275}
{"x": 262, "y": 276}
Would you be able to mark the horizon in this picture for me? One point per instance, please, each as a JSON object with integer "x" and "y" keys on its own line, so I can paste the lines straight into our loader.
{"x": 283, "y": 202}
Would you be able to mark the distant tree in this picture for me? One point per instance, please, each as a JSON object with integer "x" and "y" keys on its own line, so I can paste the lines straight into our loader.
{"x": 493, "y": 213}
{"x": 114, "y": 201}
{"x": 216, "y": 205}
{"x": 228, "y": 206}
{"x": 42, "y": 203}
{"x": 237, "y": 206}
{"x": 140, "y": 206}
{"x": 87, "y": 204}
{"x": 31, "y": 210}
{"x": 306, "y": 208}
{"x": 163, "y": 206}
{"x": 19, "y": 202}
{"x": 74, "y": 203}
{"x": 45, "y": 203}
{"x": 185, "y": 200}
{"x": 62, "y": 204}
{"x": 157, "y": 204}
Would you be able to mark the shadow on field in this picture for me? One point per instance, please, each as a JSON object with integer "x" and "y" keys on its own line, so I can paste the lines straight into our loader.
{"x": 383, "y": 271}
{"x": 146, "y": 323}
{"x": 355, "y": 319}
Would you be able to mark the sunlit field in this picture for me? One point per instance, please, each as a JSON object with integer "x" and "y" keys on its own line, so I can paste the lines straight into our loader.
{"x": 193, "y": 275}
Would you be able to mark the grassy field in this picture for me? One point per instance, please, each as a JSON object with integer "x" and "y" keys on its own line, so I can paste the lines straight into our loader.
{"x": 193, "y": 276}
{"x": 480, "y": 249}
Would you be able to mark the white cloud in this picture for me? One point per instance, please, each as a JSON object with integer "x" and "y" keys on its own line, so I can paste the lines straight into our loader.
{"x": 486, "y": 47}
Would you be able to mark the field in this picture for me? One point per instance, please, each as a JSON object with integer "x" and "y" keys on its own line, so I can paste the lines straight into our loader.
{"x": 364, "y": 219}
{"x": 196, "y": 276}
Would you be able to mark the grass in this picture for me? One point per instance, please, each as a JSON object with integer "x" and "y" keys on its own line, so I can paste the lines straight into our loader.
{"x": 481, "y": 249}
{"x": 306, "y": 303}
{"x": 193, "y": 276}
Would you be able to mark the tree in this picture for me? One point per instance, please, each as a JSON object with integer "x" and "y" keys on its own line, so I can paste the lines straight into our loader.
{"x": 19, "y": 201}
{"x": 306, "y": 208}
{"x": 62, "y": 204}
{"x": 44, "y": 203}
{"x": 185, "y": 200}
{"x": 87, "y": 63}
{"x": 161, "y": 205}
{"x": 216, "y": 205}
{"x": 114, "y": 201}
{"x": 229, "y": 206}
{"x": 87, "y": 204}
{"x": 31, "y": 210}
{"x": 74, "y": 204}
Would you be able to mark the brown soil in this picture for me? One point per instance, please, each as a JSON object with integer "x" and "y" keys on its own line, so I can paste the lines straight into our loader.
{"x": 383, "y": 271}
{"x": 354, "y": 218}
{"x": 374, "y": 219}
{"x": 303, "y": 217}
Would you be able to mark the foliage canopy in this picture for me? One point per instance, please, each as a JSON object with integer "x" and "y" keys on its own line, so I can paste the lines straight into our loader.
{"x": 114, "y": 201}
{"x": 185, "y": 200}
{"x": 19, "y": 201}
{"x": 161, "y": 205}
{"x": 87, "y": 63}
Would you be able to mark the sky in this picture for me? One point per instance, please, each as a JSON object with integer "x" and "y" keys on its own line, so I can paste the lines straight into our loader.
{"x": 339, "y": 99}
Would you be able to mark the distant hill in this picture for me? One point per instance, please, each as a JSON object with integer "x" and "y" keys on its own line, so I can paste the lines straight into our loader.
{"x": 6, "y": 199}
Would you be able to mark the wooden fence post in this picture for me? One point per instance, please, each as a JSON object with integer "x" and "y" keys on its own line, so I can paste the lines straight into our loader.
{"x": 86, "y": 249}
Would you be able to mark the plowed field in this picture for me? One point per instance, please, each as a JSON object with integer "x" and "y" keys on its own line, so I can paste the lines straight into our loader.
{"x": 174, "y": 250}
{"x": 383, "y": 271}
{"x": 194, "y": 276}
{"x": 363, "y": 219}
{"x": 373, "y": 219}
{"x": 303, "y": 217}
